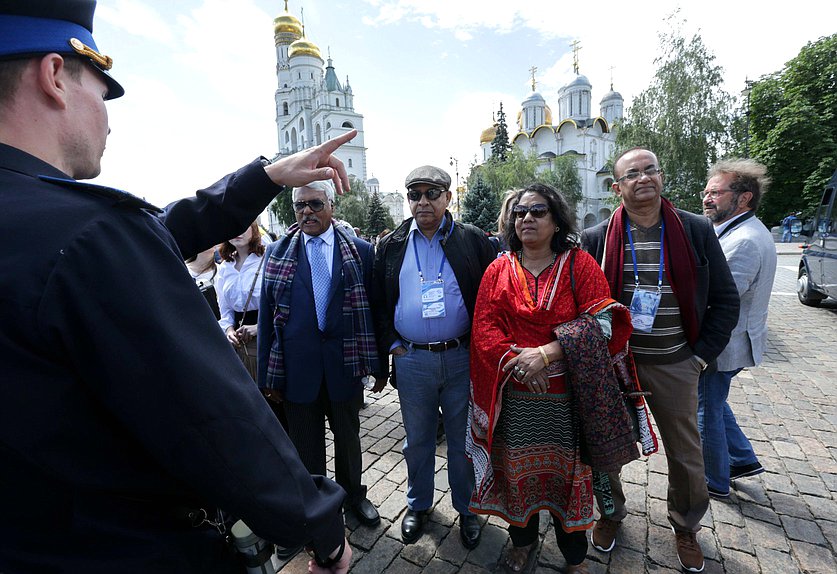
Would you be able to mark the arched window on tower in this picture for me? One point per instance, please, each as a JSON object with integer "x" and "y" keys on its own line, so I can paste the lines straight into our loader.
{"x": 319, "y": 135}
{"x": 285, "y": 108}
{"x": 337, "y": 102}
{"x": 350, "y": 164}
{"x": 348, "y": 125}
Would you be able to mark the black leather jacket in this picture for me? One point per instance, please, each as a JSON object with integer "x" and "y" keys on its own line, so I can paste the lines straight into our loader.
{"x": 468, "y": 251}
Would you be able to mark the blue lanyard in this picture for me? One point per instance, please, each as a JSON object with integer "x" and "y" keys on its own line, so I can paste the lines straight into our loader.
{"x": 662, "y": 254}
{"x": 418, "y": 263}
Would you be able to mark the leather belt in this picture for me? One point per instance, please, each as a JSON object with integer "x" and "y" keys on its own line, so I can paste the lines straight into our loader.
{"x": 439, "y": 346}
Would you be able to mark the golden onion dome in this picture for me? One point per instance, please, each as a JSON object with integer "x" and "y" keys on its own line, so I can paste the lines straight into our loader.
{"x": 520, "y": 120}
{"x": 303, "y": 47}
{"x": 548, "y": 119}
{"x": 488, "y": 134}
{"x": 287, "y": 24}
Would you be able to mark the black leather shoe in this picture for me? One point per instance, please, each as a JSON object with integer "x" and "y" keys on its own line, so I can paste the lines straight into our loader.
{"x": 469, "y": 530}
{"x": 412, "y": 525}
{"x": 366, "y": 513}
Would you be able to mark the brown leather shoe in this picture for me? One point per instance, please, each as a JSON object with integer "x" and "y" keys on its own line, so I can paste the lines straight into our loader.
{"x": 688, "y": 551}
{"x": 603, "y": 537}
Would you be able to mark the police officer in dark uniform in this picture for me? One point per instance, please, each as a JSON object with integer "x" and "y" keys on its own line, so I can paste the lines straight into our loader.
{"x": 126, "y": 419}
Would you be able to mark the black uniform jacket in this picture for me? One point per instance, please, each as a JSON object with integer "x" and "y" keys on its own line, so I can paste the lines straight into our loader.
{"x": 716, "y": 297}
{"x": 468, "y": 252}
{"x": 122, "y": 405}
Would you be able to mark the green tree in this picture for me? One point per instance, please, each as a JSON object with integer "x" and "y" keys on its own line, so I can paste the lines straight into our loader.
{"x": 481, "y": 205}
{"x": 793, "y": 129}
{"x": 500, "y": 146}
{"x": 683, "y": 116}
{"x": 353, "y": 205}
{"x": 282, "y": 208}
{"x": 378, "y": 217}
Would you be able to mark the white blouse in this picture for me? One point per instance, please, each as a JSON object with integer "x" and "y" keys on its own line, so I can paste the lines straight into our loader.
{"x": 233, "y": 287}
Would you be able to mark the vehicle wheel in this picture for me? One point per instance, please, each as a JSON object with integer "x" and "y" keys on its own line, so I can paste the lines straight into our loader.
{"x": 807, "y": 295}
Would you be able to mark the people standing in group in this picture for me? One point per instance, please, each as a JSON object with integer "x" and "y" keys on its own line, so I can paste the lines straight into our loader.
{"x": 732, "y": 195}
{"x": 545, "y": 328}
{"x": 426, "y": 276}
{"x": 239, "y": 287}
{"x": 317, "y": 341}
{"x": 203, "y": 269}
{"x": 667, "y": 266}
{"x": 125, "y": 427}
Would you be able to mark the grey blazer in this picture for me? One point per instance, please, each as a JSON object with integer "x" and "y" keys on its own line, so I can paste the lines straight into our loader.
{"x": 751, "y": 256}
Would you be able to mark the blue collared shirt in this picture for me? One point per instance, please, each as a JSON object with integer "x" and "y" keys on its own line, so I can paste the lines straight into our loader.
{"x": 408, "y": 320}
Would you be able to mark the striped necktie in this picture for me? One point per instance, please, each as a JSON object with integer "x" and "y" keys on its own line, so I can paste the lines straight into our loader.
{"x": 320, "y": 278}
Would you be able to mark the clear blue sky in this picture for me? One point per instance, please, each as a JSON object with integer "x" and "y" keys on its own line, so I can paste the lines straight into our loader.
{"x": 200, "y": 74}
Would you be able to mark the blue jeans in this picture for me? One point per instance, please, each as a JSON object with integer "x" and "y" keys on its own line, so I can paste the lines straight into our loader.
{"x": 427, "y": 381}
{"x": 723, "y": 442}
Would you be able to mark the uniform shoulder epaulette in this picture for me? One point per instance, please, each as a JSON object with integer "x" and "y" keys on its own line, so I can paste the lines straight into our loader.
{"x": 122, "y": 198}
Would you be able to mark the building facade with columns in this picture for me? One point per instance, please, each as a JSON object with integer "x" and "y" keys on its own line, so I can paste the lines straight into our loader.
{"x": 577, "y": 133}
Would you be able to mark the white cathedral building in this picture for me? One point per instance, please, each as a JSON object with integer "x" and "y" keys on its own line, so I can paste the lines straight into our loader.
{"x": 312, "y": 106}
{"x": 577, "y": 133}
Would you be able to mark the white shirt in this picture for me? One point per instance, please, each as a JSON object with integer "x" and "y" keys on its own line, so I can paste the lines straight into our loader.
{"x": 233, "y": 286}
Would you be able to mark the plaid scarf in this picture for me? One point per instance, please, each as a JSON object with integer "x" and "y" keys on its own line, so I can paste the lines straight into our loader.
{"x": 360, "y": 356}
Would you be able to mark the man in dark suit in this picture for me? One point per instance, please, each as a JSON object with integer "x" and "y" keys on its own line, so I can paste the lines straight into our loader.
{"x": 667, "y": 265}
{"x": 316, "y": 340}
{"x": 127, "y": 418}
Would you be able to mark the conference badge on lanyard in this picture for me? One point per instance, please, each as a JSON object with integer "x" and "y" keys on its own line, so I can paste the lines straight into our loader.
{"x": 644, "y": 304}
{"x": 432, "y": 292}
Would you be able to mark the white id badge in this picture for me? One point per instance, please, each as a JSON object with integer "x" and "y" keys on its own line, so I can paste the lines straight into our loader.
{"x": 644, "y": 305}
{"x": 432, "y": 299}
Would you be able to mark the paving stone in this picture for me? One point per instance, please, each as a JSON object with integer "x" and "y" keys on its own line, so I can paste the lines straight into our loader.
{"x": 821, "y": 508}
{"x": 766, "y": 535}
{"x": 635, "y": 498}
{"x": 437, "y": 566}
{"x": 809, "y": 485}
{"x": 487, "y": 554}
{"x": 379, "y": 558}
{"x": 736, "y": 562}
{"x": 726, "y": 512}
{"x": 790, "y": 505}
{"x": 402, "y": 566}
{"x": 633, "y": 533}
{"x": 778, "y": 483}
{"x": 662, "y": 549}
{"x": 733, "y": 537}
{"x": 772, "y": 561}
{"x": 814, "y": 559}
{"x": 635, "y": 473}
{"x": 658, "y": 512}
{"x": 803, "y": 530}
{"x": 759, "y": 512}
{"x": 421, "y": 552}
{"x": 364, "y": 537}
{"x": 625, "y": 561}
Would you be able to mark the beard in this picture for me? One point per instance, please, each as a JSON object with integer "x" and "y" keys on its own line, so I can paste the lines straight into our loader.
{"x": 720, "y": 215}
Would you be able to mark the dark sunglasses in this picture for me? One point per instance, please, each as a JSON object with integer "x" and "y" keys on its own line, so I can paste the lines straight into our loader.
{"x": 314, "y": 205}
{"x": 537, "y": 210}
{"x": 432, "y": 194}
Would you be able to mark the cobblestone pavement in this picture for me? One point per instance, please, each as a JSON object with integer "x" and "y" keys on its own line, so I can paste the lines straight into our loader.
{"x": 783, "y": 521}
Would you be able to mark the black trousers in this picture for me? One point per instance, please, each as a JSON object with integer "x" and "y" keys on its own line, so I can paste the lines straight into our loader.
{"x": 573, "y": 545}
{"x": 306, "y": 427}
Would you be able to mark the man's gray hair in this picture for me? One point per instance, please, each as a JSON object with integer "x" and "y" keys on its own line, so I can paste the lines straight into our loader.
{"x": 325, "y": 186}
{"x": 748, "y": 175}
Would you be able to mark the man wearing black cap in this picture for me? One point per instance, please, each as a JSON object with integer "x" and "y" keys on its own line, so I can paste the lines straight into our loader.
{"x": 127, "y": 418}
{"x": 425, "y": 281}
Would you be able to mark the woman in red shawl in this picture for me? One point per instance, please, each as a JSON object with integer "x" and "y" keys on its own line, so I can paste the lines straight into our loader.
{"x": 524, "y": 436}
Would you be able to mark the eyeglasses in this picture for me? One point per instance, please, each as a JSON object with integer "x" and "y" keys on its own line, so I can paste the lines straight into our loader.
{"x": 537, "y": 210}
{"x": 432, "y": 194}
{"x": 714, "y": 193}
{"x": 635, "y": 174}
{"x": 314, "y": 205}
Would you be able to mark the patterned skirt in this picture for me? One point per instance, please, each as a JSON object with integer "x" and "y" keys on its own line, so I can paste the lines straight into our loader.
{"x": 536, "y": 460}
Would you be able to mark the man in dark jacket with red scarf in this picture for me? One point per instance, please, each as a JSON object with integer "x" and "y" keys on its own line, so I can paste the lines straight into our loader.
{"x": 668, "y": 267}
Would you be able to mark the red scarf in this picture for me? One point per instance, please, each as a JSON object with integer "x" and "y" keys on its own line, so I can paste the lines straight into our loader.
{"x": 679, "y": 263}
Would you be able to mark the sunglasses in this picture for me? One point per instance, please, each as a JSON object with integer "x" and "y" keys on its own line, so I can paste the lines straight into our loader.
{"x": 432, "y": 194}
{"x": 314, "y": 205}
{"x": 537, "y": 210}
